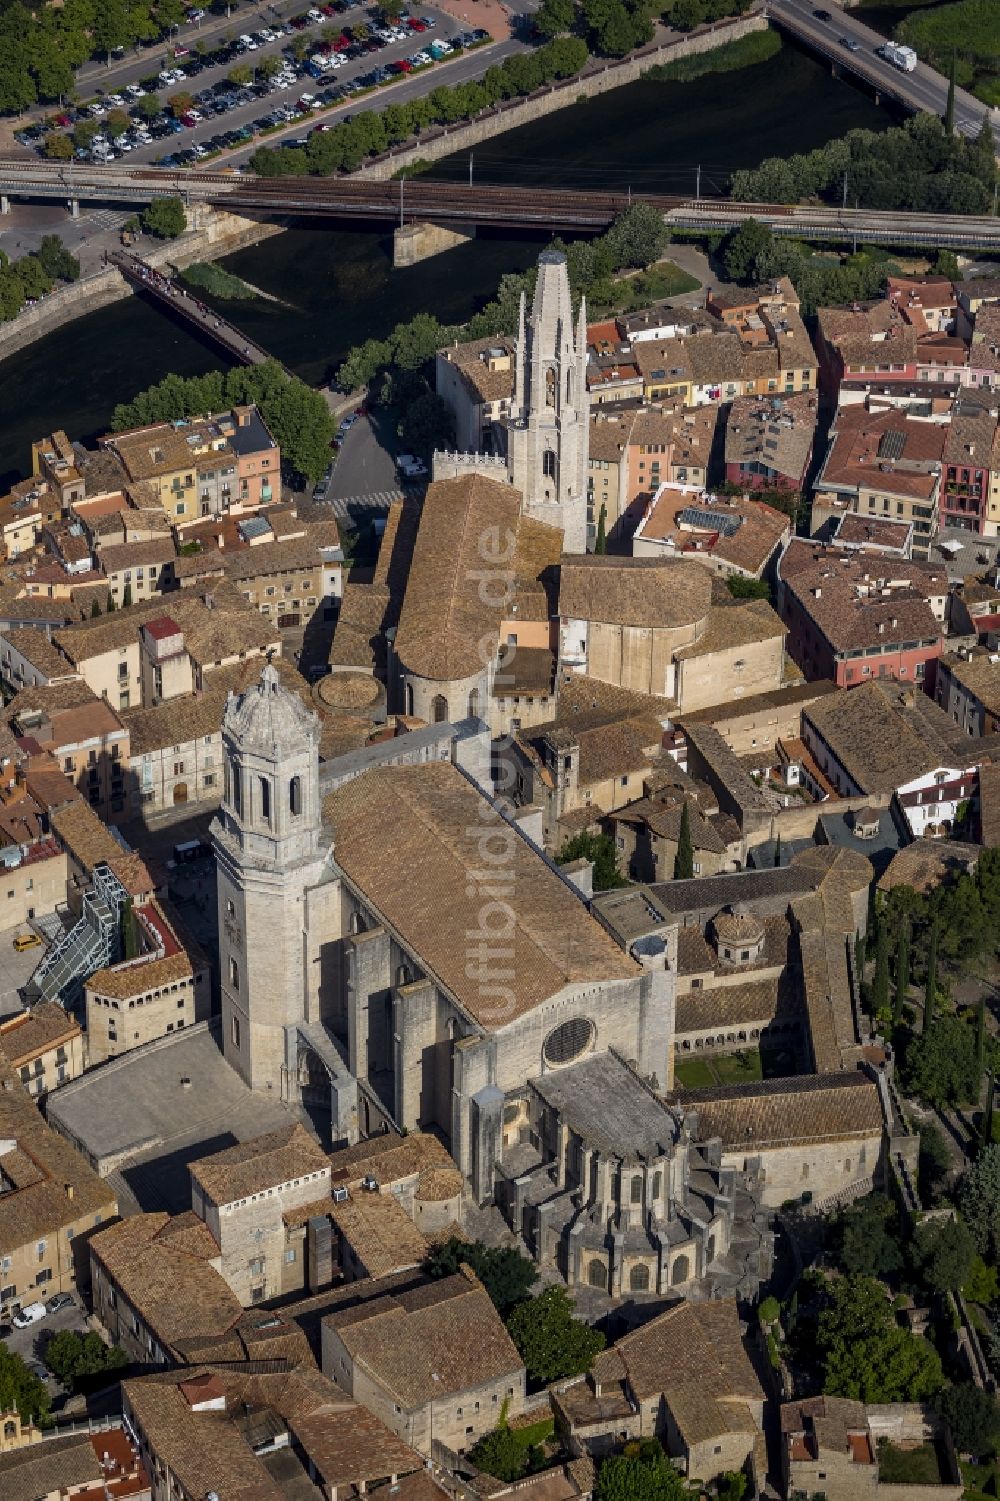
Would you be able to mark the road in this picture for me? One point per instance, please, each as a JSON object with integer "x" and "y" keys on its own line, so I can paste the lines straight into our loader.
{"x": 924, "y": 89}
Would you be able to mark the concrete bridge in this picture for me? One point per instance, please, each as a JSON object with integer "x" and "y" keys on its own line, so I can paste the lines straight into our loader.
{"x": 169, "y": 293}
{"x": 923, "y": 89}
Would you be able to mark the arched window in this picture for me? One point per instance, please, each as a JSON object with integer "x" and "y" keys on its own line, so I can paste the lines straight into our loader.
{"x": 550, "y": 387}
{"x": 549, "y": 464}
{"x": 656, "y": 1186}
{"x": 439, "y": 708}
{"x": 569, "y": 386}
{"x": 680, "y": 1271}
{"x": 635, "y": 1189}
{"x": 238, "y": 792}
{"x": 408, "y": 700}
{"x": 265, "y": 799}
{"x": 295, "y": 796}
{"x": 597, "y": 1274}
{"x": 638, "y": 1278}
{"x": 10, "y": 1430}
{"x": 474, "y": 704}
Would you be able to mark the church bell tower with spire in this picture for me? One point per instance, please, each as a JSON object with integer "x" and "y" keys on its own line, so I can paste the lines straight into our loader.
{"x": 548, "y": 429}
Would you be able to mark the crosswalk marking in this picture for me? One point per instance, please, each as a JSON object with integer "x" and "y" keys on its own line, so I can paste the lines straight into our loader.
{"x": 346, "y": 506}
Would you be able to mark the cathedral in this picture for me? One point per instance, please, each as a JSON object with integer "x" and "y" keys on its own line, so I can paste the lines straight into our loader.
{"x": 396, "y": 951}
{"x": 542, "y": 442}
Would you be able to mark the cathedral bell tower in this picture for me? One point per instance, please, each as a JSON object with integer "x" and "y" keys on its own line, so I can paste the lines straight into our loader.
{"x": 269, "y": 851}
{"x": 548, "y": 430}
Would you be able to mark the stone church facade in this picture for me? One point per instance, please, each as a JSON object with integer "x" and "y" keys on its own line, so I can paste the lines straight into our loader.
{"x": 399, "y": 949}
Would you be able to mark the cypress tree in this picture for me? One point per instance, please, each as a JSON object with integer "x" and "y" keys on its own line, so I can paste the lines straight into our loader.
{"x": 111, "y": 604}
{"x": 601, "y": 543}
{"x": 902, "y": 970}
{"x": 684, "y": 858}
{"x": 127, "y": 596}
{"x": 95, "y": 607}
{"x": 930, "y": 982}
{"x": 986, "y": 1134}
{"x": 880, "y": 984}
{"x": 980, "y": 1041}
{"x": 949, "y": 109}
{"x": 777, "y": 852}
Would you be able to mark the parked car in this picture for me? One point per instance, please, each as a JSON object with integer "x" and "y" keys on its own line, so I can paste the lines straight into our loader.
{"x": 26, "y": 941}
{"x": 30, "y": 1314}
{"x": 59, "y": 1302}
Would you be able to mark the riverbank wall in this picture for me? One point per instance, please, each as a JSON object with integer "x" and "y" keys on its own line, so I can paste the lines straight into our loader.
{"x": 213, "y": 233}
{"x": 598, "y": 77}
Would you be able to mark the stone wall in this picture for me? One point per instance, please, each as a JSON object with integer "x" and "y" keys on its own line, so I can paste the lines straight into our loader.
{"x": 598, "y": 78}
{"x": 213, "y": 234}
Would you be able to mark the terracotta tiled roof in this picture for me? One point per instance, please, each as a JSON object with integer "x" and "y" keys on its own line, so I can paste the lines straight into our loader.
{"x": 380, "y": 1233}
{"x": 163, "y": 1267}
{"x": 885, "y": 736}
{"x": 437, "y": 819}
{"x": 33, "y": 1032}
{"x": 446, "y": 613}
{"x": 484, "y": 383}
{"x": 693, "y": 1356}
{"x": 786, "y": 1112}
{"x": 121, "y": 981}
{"x": 262, "y": 1163}
{"x": 645, "y": 592}
{"x": 434, "y": 1342}
{"x": 389, "y": 1158}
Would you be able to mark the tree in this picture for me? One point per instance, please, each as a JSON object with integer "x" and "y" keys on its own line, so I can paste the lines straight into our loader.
{"x": 865, "y": 1354}
{"x": 880, "y": 981}
{"x": 57, "y": 260}
{"x": 501, "y": 1454}
{"x": 986, "y": 1134}
{"x": 128, "y": 934}
{"x": 148, "y": 106}
{"x": 165, "y": 218}
{"x": 241, "y": 74}
{"x": 979, "y": 1201}
{"x": 58, "y": 146}
{"x": 743, "y": 248}
{"x": 20, "y": 1390}
{"x": 684, "y": 858}
{"x": 777, "y": 853}
{"x": 117, "y": 123}
{"x": 180, "y": 103}
{"x": 552, "y": 1343}
{"x": 599, "y": 849}
{"x": 647, "y": 1475}
{"x": 507, "y": 1276}
{"x": 940, "y": 1066}
{"x": 744, "y": 588}
{"x": 949, "y": 109}
{"x": 973, "y": 1417}
{"x": 931, "y": 980}
{"x": 95, "y": 607}
{"x": 126, "y": 596}
{"x": 943, "y": 1252}
{"x": 426, "y": 425}
{"x": 555, "y": 16}
{"x": 77, "y": 1359}
{"x": 637, "y": 238}
{"x": 111, "y": 603}
{"x": 902, "y": 970}
{"x": 601, "y": 541}
{"x": 980, "y": 1039}
{"x": 866, "y": 1238}
{"x": 933, "y": 1163}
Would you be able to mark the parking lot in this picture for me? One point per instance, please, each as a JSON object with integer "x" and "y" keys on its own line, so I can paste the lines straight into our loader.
{"x": 30, "y": 1343}
{"x": 286, "y": 72}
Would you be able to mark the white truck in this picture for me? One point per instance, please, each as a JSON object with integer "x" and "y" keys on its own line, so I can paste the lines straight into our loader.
{"x": 903, "y": 58}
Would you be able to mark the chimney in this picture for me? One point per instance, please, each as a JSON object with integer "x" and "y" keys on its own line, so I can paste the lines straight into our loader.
{"x": 70, "y": 1190}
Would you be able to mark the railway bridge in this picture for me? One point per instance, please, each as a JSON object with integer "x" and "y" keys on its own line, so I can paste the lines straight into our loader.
{"x": 458, "y": 205}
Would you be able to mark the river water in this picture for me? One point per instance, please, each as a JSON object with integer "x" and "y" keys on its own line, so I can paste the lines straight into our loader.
{"x": 337, "y": 286}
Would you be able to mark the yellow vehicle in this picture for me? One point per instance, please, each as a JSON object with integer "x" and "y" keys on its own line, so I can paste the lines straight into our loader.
{"x": 27, "y": 941}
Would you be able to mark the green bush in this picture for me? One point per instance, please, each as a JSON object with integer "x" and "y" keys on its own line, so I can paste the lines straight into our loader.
{"x": 207, "y": 277}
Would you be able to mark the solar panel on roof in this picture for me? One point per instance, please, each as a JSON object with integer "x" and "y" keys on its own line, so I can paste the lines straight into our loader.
{"x": 710, "y": 521}
{"x": 254, "y": 526}
{"x": 891, "y": 445}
